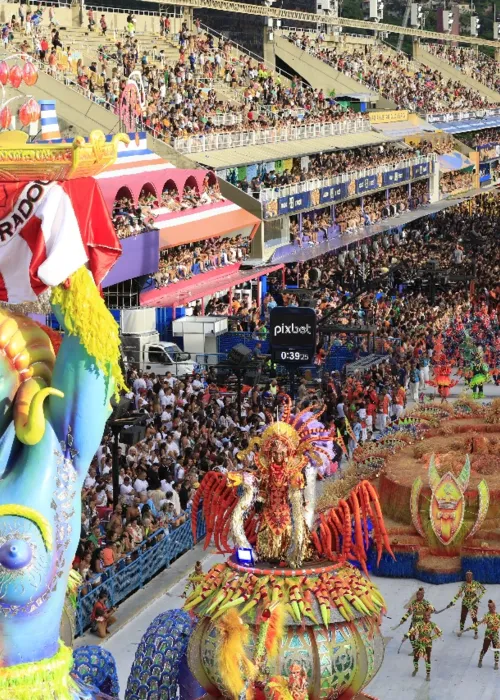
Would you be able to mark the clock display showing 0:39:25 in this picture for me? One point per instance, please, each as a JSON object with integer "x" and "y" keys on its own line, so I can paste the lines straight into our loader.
{"x": 293, "y": 355}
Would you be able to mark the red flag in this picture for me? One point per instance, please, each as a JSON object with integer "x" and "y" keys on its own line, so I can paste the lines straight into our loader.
{"x": 47, "y": 231}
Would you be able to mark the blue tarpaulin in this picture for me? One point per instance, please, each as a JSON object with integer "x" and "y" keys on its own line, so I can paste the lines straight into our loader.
{"x": 453, "y": 161}
{"x": 460, "y": 127}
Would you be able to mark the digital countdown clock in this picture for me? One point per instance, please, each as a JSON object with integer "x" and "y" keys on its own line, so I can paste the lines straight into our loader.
{"x": 292, "y": 334}
{"x": 290, "y": 356}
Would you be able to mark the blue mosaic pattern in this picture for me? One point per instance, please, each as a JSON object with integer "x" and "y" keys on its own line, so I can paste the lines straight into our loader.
{"x": 155, "y": 671}
{"x": 96, "y": 667}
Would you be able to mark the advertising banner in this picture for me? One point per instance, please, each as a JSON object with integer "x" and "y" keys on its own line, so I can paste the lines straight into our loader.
{"x": 292, "y": 334}
{"x": 394, "y": 177}
{"x": 400, "y": 115}
{"x": 421, "y": 169}
{"x": 370, "y": 182}
{"x": 334, "y": 193}
{"x": 462, "y": 116}
{"x": 485, "y": 173}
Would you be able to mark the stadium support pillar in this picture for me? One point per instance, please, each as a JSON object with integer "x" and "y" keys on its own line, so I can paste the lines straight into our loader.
{"x": 269, "y": 49}
{"x": 434, "y": 184}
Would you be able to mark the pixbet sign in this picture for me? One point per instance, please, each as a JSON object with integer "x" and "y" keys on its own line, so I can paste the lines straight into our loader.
{"x": 293, "y": 328}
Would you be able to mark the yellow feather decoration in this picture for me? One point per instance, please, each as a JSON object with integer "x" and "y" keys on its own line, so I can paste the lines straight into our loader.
{"x": 86, "y": 316}
{"x": 234, "y": 665}
{"x": 275, "y": 630}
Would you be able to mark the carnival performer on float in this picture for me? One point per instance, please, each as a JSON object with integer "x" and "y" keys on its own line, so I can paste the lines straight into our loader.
{"x": 416, "y": 609}
{"x": 472, "y": 592}
{"x": 423, "y": 634}
{"x": 491, "y": 635}
{"x": 480, "y": 375}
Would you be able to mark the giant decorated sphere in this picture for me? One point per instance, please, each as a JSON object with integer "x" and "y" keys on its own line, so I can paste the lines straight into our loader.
{"x": 339, "y": 658}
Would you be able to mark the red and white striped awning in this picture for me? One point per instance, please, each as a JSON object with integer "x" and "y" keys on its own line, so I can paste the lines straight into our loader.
{"x": 136, "y": 166}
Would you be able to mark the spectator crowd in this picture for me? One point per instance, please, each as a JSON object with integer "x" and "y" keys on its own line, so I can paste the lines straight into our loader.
{"x": 352, "y": 216}
{"x": 397, "y": 77}
{"x": 208, "y": 89}
{"x": 469, "y": 60}
{"x": 326, "y": 165}
{"x": 192, "y": 423}
{"x": 130, "y": 220}
{"x": 486, "y": 141}
{"x": 186, "y": 261}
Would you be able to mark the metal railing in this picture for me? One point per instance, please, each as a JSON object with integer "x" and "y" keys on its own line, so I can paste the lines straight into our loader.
{"x": 214, "y": 142}
{"x": 127, "y": 576}
{"x": 226, "y": 119}
{"x": 270, "y": 193}
{"x": 177, "y": 11}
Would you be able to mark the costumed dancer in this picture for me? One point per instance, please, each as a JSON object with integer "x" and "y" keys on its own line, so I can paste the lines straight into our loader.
{"x": 491, "y": 635}
{"x": 194, "y": 578}
{"x": 422, "y": 636}
{"x": 480, "y": 375}
{"x": 472, "y": 592}
{"x": 416, "y": 609}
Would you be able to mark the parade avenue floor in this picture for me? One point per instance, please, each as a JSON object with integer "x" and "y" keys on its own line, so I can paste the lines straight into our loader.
{"x": 455, "y": 675}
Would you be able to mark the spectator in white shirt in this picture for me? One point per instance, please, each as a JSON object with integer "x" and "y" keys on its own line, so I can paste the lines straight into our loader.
{"x": 127, "y": 491}
{"x": 90, "y": 481}
{"x": 139, "y": 383}
{"x": 169, "y": 379}
{"x": 141, "y": 484}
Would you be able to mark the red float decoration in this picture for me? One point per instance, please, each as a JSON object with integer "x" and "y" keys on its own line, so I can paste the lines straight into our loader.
{"x": 4, "y": 72}
{"x": 34, "y": 109}
{"x": 15, "y": 76}
{"x": 5, "y": 118}
{"x": 30, "y": 73}
{"x": 25, "y": 114}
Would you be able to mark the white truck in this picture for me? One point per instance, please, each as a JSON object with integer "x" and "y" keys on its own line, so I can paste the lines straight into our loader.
{"x": 143, "y": 349}
{"x": 147, "y": 352}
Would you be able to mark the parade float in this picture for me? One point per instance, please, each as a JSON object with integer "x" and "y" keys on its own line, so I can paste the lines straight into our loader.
{"x": 57, "y": 243}
{"x": 438, "y": 477}
{"x": 287, "y": 615}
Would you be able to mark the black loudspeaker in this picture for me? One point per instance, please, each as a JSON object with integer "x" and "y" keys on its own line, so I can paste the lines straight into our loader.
{"x": 120, "y": 409}
{"x": 252, "y": 377}
{"x": 133, "y": 435}
{"x": 239, "y": 355}
{"x": 314, "y": 274}
{"x": 222, "y": 375}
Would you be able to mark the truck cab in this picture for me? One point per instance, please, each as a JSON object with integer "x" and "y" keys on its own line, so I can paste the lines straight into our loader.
{"x": 162, "y": 357}
{"x": 147, "y": 352}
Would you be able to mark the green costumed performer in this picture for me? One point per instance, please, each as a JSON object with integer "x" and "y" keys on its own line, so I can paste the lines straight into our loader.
{"x": 423, "y": 634}
{"x": 491, "y": 635}
{"x": 416, "y": 610}
{"x": 471, "y": 591}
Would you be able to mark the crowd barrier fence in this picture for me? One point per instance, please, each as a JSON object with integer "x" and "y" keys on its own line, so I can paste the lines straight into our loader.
{"x": 125, "y": 577}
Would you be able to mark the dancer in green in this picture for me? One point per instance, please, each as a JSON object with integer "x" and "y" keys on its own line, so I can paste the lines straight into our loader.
{"x": 472, "y": 592}
{"x": 416, "y": 610}
{"x": 492, "y": 634}
{"x": 422, "y": 636}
